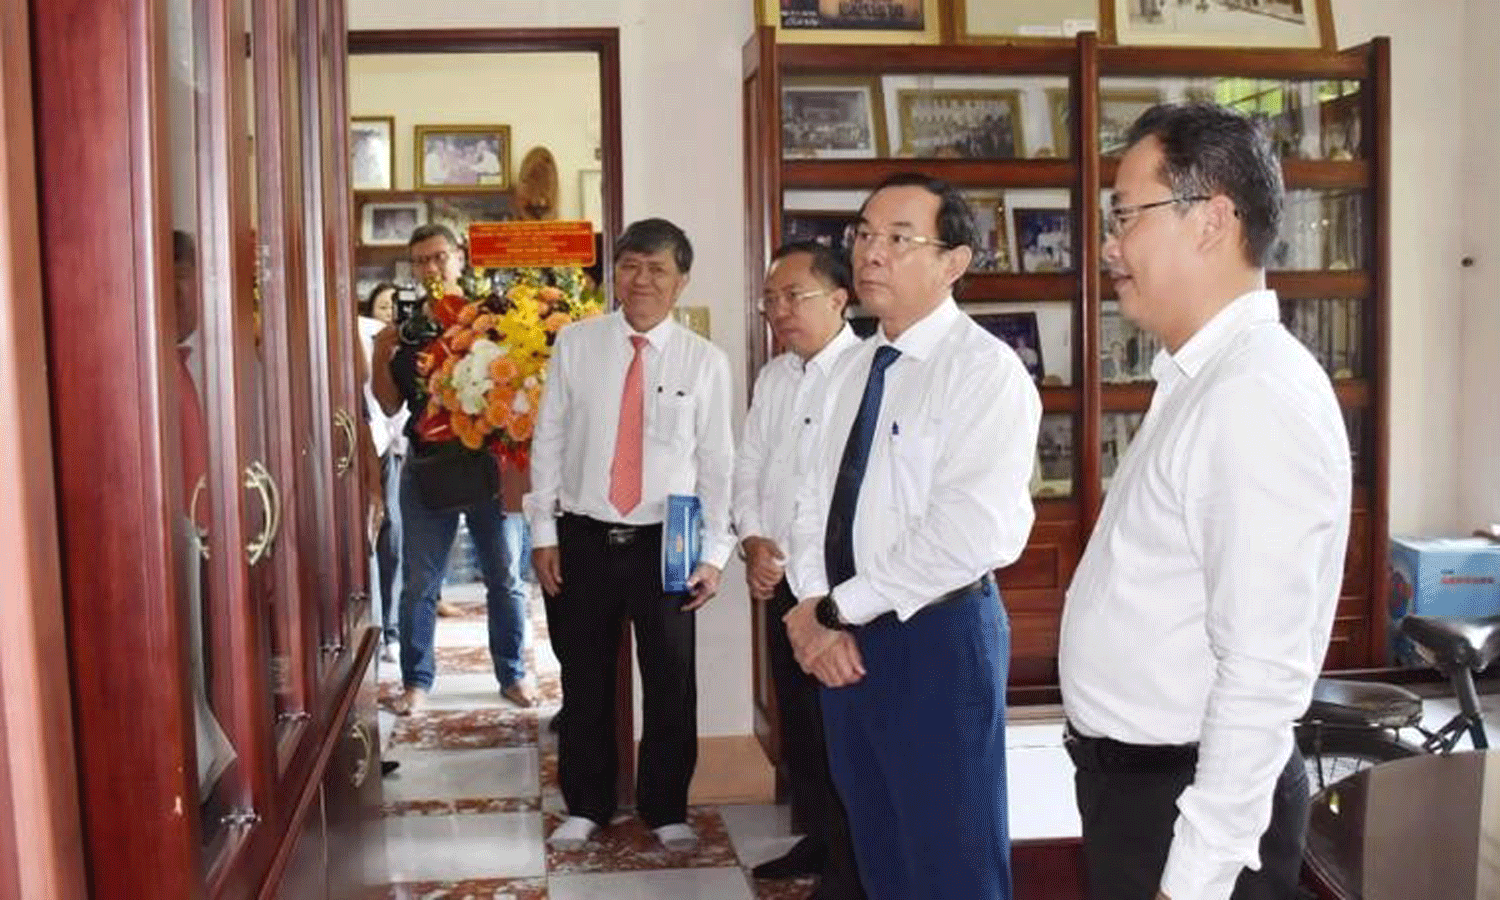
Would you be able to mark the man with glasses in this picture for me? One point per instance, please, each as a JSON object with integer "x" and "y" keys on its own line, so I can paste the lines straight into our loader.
{"x": 636, "y": 408}
{"x": 428, "y": 532}
{"x": 1200, "y": 613}
{"x": 919, "y": 490}
{"x": 806, "y": 291}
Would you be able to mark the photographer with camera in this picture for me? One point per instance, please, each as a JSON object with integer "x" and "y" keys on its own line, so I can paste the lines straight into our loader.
{"x": 438, "y": 483}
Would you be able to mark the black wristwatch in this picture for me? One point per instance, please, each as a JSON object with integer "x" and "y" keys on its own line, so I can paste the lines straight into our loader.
{"x": 827, "y": 614}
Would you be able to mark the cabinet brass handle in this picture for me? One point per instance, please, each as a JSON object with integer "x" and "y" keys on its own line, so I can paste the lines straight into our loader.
{"x": 260, "y": 481}
{"x": 200, "y": 534}
{"x": 345, "y": 422}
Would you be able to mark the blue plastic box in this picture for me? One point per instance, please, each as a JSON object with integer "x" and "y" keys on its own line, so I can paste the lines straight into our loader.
{"x": 1440, "y": 577}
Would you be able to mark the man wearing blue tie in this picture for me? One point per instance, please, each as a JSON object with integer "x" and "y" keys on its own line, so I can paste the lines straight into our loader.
{"x": 919, "y": 492}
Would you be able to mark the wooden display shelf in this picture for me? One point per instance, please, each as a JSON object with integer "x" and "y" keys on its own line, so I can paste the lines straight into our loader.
{"x": 1298, "y": 174}
{"x": 864, "y": 174}
{"x": 1007, "y": 286}
{"x": 1352, "y": 393}
{"x": 1351, "y": 284}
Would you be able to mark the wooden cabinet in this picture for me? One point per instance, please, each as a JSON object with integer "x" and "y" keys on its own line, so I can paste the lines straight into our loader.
{"x": 196, "y": 244}
{"x": 1029, "y": 133}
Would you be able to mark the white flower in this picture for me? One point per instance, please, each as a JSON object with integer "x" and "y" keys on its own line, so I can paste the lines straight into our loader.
{"x": 471, "y": 376}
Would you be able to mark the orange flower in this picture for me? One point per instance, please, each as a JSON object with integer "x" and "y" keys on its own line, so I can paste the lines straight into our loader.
{"x": 497, "y": 414}
{"x": 463, "y": 341}
{"x": 468, "y": 314}
{"x": 549, "y": 294}
{"x": 482, "y": 323}
{"x": 503, "y": 370}
{"x": 520, "y": 427}
{"x": 556, "y": 321}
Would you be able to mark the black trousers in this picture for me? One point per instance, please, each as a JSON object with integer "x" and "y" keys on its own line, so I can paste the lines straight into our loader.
{"x": 611, "y": 573}
{"x": 806, "y": 754}
{"x": 1127, "y": 801}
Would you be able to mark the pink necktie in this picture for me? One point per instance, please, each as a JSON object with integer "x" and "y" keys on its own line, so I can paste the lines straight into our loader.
{"x": 625, "y": 471}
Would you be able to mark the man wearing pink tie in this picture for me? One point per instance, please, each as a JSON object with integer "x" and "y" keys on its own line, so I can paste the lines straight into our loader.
{"x": 635, "y": 408}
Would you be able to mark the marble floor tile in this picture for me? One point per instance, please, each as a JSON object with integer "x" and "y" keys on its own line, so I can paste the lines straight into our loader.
{"x": 488, "y": 772}
{"x": 458, "y": 847}
{"x": 471, "y": 889}
{"x": 1034, "y": 734}
{"x": 465, "y": 690}
{"x": 659, "y": 884}
{"x": 452, "y": 730}
{"x": 783, "y": 889}
{"x": 628, "y": 845}
{"x": 758, "y": 832}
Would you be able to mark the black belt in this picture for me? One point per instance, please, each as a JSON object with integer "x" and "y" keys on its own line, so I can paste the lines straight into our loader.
{"x": 614, "y": 534}
{"x": 974, "y": 587}
{"x": 1109, "y": 755}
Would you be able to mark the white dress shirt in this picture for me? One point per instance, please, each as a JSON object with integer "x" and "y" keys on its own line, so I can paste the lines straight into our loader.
{"x": 780, "y": 438}
{"x": 688, "y": 440}
{"x": 386, "y": 432}
{"x": 1202, "y": 608}
{"x": 945, "y": 496}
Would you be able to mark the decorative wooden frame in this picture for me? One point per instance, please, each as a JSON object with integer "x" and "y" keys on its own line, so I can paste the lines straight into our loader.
{"x": 873, "y": 122}
{"x": 1138, "y": 100}
{"x": 483, "y": 179}
{"x": 365, "y": 128}
{"x": 933, "y": 27}
{"x": 1020, "y": 332}
{"x": 371, "y": 227}
{"x": 827, "y": 228}
{"x": 992, "y": 230}
{"x": 1313, "y": 33}
{"x": 908, "y": 99}
{"x": 1017, "y": 21}
{"x": 1025, "y": 229}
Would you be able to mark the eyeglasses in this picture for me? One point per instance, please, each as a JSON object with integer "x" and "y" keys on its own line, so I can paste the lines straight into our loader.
{"x": 863, "y": 240}
{"x": 1117, "y": 219}
{"x": 788, "y": 300}
{"x": 438, "y": 259}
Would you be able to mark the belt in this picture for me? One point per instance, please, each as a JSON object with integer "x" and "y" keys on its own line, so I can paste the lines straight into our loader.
{"x": 613, "y": 534}
{"x": 1099, "y": 754}
{"x": 976, "y": 586}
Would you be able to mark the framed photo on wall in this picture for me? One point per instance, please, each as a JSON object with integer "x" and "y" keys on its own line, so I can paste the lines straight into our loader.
{"x": 1018, "y": 330}
{"x": 1118, "y": 110}
{"x": 834, "y": 118}
{"x": 831, "y": 229}
{"x": 992, "y": 247}
{"x": 958, "y": 123}
{"x": 462, "y": 157}
{"x": 1220, "y": 23}
{"x": 459, "y": 211}
{"x": 1022, "y": 21}
{"x": 1044, "y": 240}
{"x": 843, "y": 22}
{"x": 372, "y": 152}
{"x": 389, "y": 224}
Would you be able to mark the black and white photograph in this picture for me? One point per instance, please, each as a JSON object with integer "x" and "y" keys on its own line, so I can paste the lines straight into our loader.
{"x": 390, "y": 224}
{"x": 1044, "y": 240}
{"x": 959, "y": 123}
{"x": 459, "y": 211}
{"x": 831, "y": 229}
{"x": 1238, "y": 23}
{"x": 1019, "y": 331}
{"x": 833, "y": 120}
{"x": 1118, "y": 110}
{"x": 992, "y": 249}
{"x": 1116, "y": 431}
{"x": 372, "y": 153}
{"x": 1054, "y": 453}
{"x": 1125, "y": 351}
{"x": 886, "y": 15}
{"x": 463, "y": 157}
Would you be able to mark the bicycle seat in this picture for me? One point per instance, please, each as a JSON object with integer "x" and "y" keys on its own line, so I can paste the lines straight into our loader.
{"x": 1449, "y": 643}
{"x": 1336, "y": 702}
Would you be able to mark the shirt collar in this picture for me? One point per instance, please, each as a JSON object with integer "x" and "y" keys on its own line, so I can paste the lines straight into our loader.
{"x": 1241, "y": 314}
{"x": 919, "y": 339}
{"x": 824, "y": 359}
{"x": 657, "y": 336}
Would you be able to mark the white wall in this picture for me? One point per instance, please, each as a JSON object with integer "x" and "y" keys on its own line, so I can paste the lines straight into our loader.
{"x": 680, "y": 104}
{"x": 488, "y": 89}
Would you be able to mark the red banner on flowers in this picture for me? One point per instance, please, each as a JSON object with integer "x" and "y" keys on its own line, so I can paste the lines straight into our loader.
{"x": 511, "y": 245}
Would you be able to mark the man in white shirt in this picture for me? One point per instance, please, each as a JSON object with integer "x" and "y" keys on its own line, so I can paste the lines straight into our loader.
{"x": 1199, "y": 616}
{"x": 636, "y": 407}
{"x": 919, "y": 492}
{"x": 806, "y": 291}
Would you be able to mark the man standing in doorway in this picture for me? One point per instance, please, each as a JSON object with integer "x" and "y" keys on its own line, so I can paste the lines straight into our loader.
{"x": 427, "y": 533}
{"x": 636, "y": 408}
{"x": 920, "y": 491}
{"x": 1200, "y": 613}
{"x": 806, "y": 291}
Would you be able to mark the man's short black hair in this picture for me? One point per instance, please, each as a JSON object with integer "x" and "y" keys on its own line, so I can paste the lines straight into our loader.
{"x": 955, "y": 221}
{"x": 653, "y": 236}
{"x": 826, "y": 262}
{"x": 1209, "y": 150}
{"x": 432, "y": 230}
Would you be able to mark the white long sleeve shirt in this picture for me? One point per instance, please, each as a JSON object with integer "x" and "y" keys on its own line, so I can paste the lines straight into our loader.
{"x": 1202, "y": 607}
{"x": 945, "y": 496}
{"x": 688, "y": 440}
{"x": 780, "y": 438}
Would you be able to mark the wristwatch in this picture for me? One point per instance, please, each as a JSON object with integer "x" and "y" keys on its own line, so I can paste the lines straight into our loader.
{"x": 827, "y": 614}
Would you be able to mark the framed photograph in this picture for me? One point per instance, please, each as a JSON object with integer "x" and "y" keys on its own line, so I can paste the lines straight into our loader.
{"x": 843, "y": 22}
{"x": 1019, "y": 331}
{"x": 1022, "y": 21}
{"x": 1220, "y": 23}
{"x": 992, "y": 250}
{"x": 1060, "y": 117}
{"x": 372, "y": 150}
{"x": 388, "y": 224}
{"x": 1125, "y": 351}
{"x": 1118, "y": 110}
{"x": 831, "y": 229}
{"x": 958, "y": 123}
{"x": 591, "y": 197}
{"x": 840, "y": 118}
{"x": 1044, "y": 240}
{"x": 459, "y": 211}
{"x": 462, "y": 157}
{"x": 1054, "y": 457}
{"x": 1338, "y": 125}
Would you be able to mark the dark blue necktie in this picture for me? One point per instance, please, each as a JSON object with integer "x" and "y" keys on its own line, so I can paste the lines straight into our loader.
{"x": 838, "y": 540}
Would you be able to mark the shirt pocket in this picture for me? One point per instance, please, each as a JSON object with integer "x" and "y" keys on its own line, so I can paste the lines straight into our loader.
{"x": 913, "y": 464}
{"x": 674, "y": 419}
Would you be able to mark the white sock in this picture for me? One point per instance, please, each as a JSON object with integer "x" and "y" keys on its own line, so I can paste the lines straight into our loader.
{"x": 679, "y": 837}
{"x": 573, "y": 833}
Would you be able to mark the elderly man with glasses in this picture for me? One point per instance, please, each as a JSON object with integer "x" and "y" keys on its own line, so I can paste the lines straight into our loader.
{"x": 919, "y": 491}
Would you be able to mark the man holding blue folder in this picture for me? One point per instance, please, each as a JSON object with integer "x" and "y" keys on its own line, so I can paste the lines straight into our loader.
{"x": 635, "y": 410}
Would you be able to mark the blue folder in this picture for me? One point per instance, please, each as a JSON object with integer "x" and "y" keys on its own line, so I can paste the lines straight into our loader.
{"x": 681, "y": 542}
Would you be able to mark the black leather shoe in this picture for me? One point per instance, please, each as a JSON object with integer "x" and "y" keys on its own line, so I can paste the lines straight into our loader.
{"x": 387, "y": 766}
{"x": 805, "y": 858}
{"x": 556, "y": 722}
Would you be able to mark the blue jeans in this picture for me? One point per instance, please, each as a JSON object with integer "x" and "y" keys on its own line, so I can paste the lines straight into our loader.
{"x": 427, "y": 537}
{"x": 518, "y": 545}
{"x": 388, "y": 548}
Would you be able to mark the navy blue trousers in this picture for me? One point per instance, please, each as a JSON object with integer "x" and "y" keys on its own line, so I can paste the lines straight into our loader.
{"x": 917, "y": 752}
